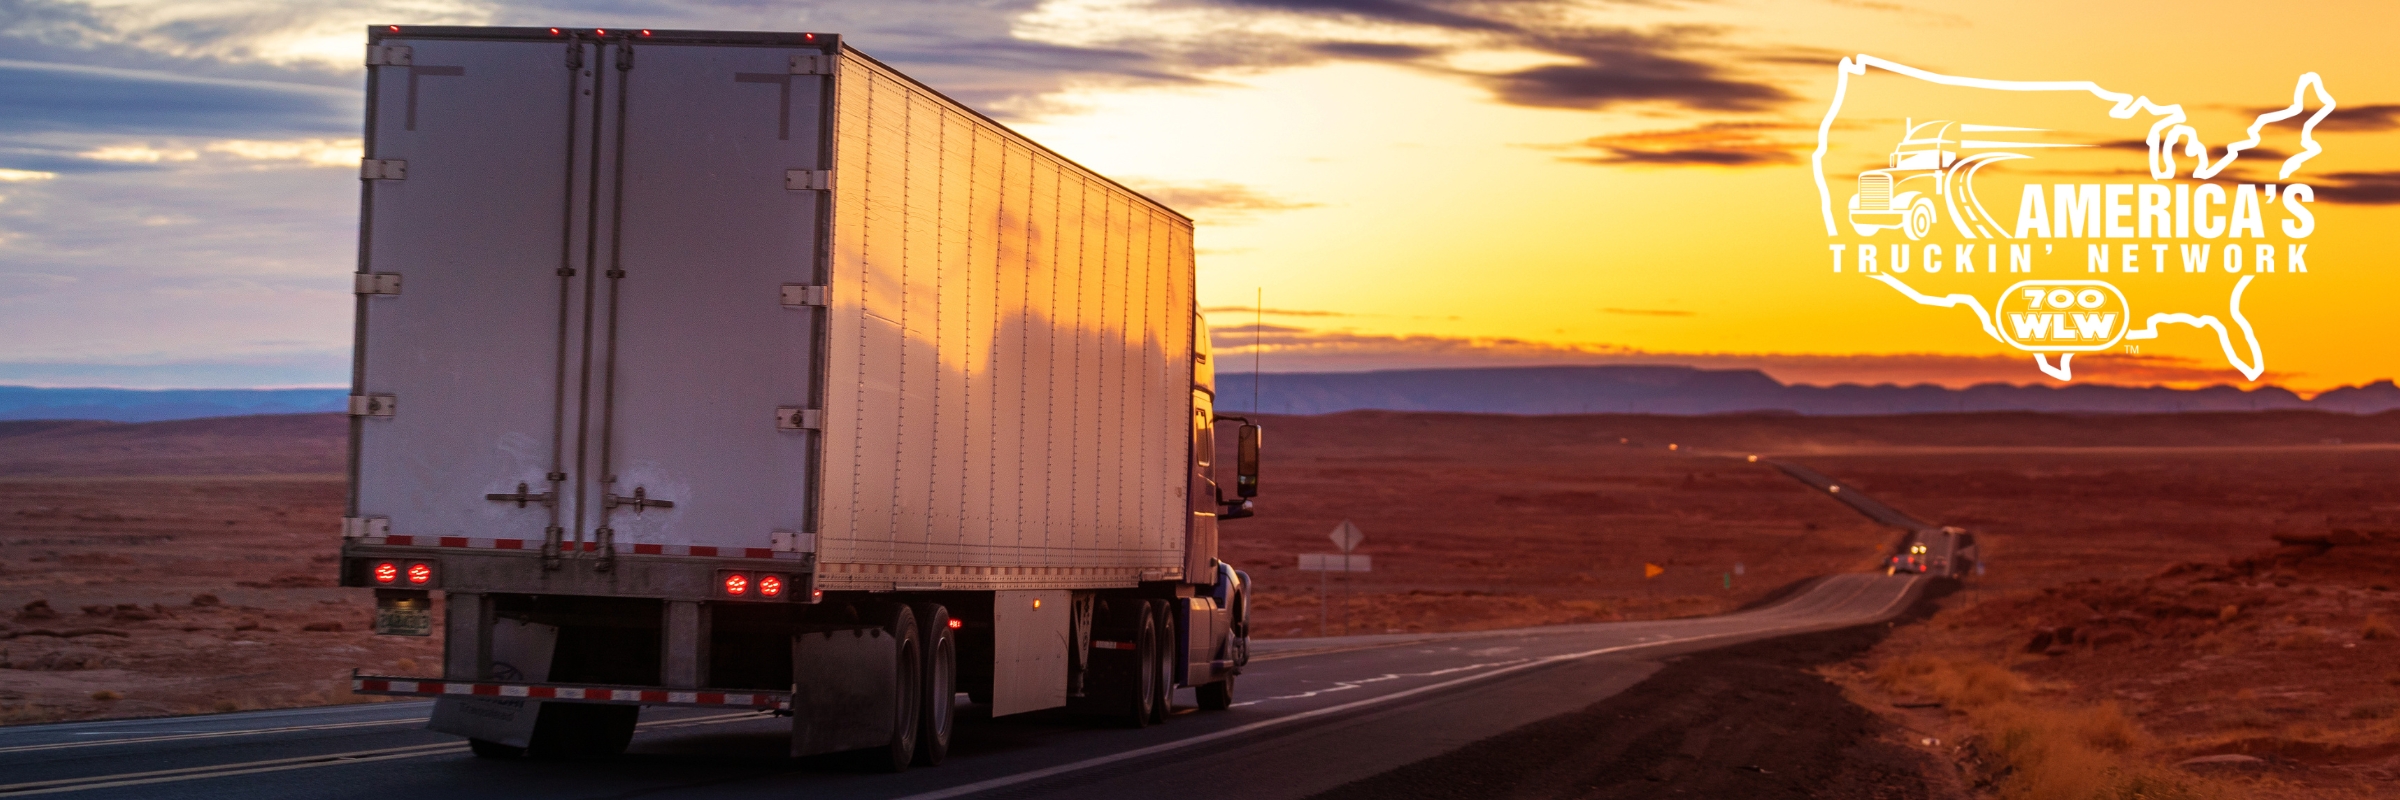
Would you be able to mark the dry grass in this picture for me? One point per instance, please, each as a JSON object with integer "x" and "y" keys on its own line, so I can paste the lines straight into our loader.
{"x": 2045, "y": 751}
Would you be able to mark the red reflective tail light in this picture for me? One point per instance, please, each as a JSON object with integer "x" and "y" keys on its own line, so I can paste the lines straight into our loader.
{"x": 956, "y": 623}
{"x": 770, "y": 586}
{"x": 420, "y": 574}
{"x": 387, "y": 572}
{"x": 737, "y": 584}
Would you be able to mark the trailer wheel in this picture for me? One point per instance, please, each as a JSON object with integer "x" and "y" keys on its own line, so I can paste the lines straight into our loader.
{"x": 909, "y": 669}
{"x": 1215, "y": 696}
{"x": 1142, "y": 677}
{"x": 1162, "y": 664}
{"x": 941, "y": 684}
{"x": 495, "y": 750}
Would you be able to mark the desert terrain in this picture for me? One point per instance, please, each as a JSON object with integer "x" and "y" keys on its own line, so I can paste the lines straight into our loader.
{"x": 2134, "y": 565}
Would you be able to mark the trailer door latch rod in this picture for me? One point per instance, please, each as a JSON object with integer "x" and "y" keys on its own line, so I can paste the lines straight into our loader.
{"x": 640, "y": 500}
{"x": 522, "y": 496}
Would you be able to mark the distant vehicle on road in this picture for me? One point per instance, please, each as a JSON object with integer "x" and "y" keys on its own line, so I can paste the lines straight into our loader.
{"x": 1947, "y": 551}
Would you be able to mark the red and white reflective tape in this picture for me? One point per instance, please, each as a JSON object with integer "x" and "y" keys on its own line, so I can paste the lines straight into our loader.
{"x": 1101, "y": 645}
{"x": 701, "y": 551}
{"x": 411, "y": 687}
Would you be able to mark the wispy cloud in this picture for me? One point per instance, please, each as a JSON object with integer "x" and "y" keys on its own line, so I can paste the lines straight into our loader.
{"x": 1648, "y": 312}
{"x": 1216, "y": 201}
{"x": 2364, "y": 188}
{"x": 1716, "y": 144}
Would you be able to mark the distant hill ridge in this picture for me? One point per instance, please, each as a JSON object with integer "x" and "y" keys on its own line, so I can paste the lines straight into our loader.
{"x": 152, "y": 405}
{"x": 1674, "y": 389}
{"x": 1612, "y": 389}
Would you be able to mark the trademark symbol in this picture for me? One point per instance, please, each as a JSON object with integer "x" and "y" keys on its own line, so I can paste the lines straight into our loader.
{"x": 2133, "y": 348}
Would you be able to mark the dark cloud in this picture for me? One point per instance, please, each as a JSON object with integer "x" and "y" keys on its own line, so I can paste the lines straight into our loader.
{"x": 2359, "y": 188}
{"x": 1374, "y": 51}
{"x": 1719, "y": 144}
{"x": 43, "y": 97}
{"x": 2359, "y": 118}
{"x": 1625, "y": 66}
{"x": 1382, "y": 11}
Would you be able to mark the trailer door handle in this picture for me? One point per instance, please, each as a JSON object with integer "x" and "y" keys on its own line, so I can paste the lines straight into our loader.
{"x": 523, "y": 495}
{"x": 640, "y": 500}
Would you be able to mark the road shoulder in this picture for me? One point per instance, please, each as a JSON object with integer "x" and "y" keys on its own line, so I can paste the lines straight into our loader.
{"x": 1750, "y": 720}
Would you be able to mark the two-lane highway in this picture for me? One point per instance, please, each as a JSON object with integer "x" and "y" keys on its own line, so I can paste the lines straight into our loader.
{"x": 1312, "y": 714}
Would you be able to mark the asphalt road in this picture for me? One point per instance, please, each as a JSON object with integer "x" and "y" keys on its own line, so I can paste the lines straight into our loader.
{"x": 1312, "y": 714}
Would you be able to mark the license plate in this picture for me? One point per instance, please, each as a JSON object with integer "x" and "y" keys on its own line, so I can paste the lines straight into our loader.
{"x": 409, "y": 616}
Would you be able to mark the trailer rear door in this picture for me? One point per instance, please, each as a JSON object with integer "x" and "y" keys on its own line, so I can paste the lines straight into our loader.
{"x": 703, "y": 343}
{"x": 604, "y": 250}
{"x": 468, "y": 203}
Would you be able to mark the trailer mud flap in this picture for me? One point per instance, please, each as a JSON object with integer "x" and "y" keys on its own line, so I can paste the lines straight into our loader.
{"x": 843, "y": 690}
{"x": 521, "y": 651}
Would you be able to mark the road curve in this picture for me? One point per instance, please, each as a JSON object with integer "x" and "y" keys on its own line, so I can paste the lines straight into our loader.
{"x": 1312, "y": 714}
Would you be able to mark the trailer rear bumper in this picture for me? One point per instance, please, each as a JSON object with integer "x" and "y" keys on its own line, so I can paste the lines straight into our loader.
{"x": 621, "y": 695}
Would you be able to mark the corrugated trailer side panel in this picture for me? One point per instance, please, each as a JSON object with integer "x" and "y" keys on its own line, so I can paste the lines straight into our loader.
{"x": 1006, "y": 392}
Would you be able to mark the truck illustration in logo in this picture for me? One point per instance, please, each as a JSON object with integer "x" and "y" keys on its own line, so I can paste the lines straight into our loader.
{"x": 1926, "y": 165}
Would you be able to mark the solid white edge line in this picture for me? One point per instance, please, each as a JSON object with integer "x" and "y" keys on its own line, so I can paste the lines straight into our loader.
{"x": 172, "y": 737}
{"x": 296, "y": 762}
{"x": 336, "y": 759}
{"x": 1078, "y": 766}
{"x": 180, "y": 773}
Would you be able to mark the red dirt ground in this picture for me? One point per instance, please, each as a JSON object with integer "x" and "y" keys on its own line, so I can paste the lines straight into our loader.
{"x": 1472, "y": 522}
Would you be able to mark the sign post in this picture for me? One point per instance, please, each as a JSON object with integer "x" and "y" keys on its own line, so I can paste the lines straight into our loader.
{"x": 1346, "y": 536}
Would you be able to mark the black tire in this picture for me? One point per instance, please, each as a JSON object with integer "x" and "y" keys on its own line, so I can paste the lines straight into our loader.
{"x": 1162, "y": 681}
{"x": 909, "y": 665}
{"x": 495, "y": 750}
{"x": 1215, "y": 696}
{"x": 937, "y": 712}
{"x": 1142, "y": 677}
{"x": 582, "y": 730}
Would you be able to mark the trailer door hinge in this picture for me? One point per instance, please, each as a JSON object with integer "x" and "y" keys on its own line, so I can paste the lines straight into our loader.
{"x": 377, "y": 283}
{"x": 382, "y": 169}
{"x": 812, "y": 65}
{"x": 390, "y": 55}
{"x": 817, "y": 179}
{"x": 373, "y": 405}
{"x": 792, "y": 542}
{"x": 799, "y": 419}
{"x": 801, "y": 294}
{"x": 361, "y": 527}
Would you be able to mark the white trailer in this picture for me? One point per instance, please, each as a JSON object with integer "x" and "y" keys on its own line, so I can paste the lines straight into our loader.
{"x": 739, "y": 369}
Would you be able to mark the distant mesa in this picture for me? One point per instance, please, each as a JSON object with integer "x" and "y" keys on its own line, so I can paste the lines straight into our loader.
{"x": 1675, "y": 389}
{"x": 153, "y": 405}
{"x": 1610, "y": 389}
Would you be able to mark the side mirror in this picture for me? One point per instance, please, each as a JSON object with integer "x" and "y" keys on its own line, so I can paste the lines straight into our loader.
{"x": 1245, "y": 461}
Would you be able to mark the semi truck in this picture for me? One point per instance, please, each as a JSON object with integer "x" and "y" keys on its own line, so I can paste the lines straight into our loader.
{"x": 730, "y": 369}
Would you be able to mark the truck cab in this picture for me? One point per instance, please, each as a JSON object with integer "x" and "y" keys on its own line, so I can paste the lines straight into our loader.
{"x": 1901, "y": 195}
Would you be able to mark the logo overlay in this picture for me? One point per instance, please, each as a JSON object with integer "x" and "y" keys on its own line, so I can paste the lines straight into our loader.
{"x": 1903, "y": 153}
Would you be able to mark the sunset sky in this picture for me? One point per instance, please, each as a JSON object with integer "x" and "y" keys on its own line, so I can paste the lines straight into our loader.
{"x": 1410, "y": 183}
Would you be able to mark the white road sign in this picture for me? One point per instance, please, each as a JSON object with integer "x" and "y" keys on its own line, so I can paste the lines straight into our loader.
{"x": 1334, "y": 562}
{"x": 1346, "y": 536}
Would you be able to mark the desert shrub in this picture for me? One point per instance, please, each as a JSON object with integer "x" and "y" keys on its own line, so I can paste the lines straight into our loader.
{"x": 2302, "y": 638}
{"x": 2376, "y": 627}
{"x": 2378, "y": 708}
